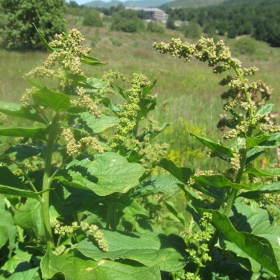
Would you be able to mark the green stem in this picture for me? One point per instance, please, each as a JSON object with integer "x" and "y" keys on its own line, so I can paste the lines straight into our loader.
{"x": 47, "y": 182}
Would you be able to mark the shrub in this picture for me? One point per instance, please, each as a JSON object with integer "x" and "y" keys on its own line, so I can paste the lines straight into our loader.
{"x": 245, "y": 46}
{"x": 192, "y": 30}
{"x": 127, "y": 21}
{"x": 155, "y": 27}
{"x": 92, "y": 18}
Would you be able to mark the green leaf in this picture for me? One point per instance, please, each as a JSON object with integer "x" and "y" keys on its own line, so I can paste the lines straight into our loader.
{"x": 263, "y": 189}
{"x": 55, "y": 100}
{"x": 131, "y": 207}
{"x": 257, "y": 247}
{"x": 7, "y": 227}
{"x": 24, "y": 151}
{"x": 90, "y": 60}
{"x": 145, "y": 105}
{"x": 11, "y": 185}
{"x": 147, "y": 89}
{"x": 30, "y": 132}
{"x": 34, "y": 82}
{"x": 214, "y": 146}
{"x": 253, "y": 154}
{"x": 144, "y": 248}
{"x": 266, "y": 109}
{"x": 75, "y": 266}
{"x": 183, "y": 174}
{"x": 13, "y": 109}
{"x": 108, "y": 173}
{"x": 263, "y": 172}
{"x": 87, "y": 121}
{"x": 119, "y": 91}
{"x": 172, "y": 209}
{"x": 162, "y": 183}
{"x": 219, "y": 181}
{"x": 96, "y": 83}
{"x": 43, "y": 40}
{"x": 29, "y": 217}
{"x": 266, "y": 141}
{"x": 30, "y": 274}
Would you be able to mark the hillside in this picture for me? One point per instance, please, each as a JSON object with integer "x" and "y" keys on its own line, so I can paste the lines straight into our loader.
{"x": 143, "y": 4}
{"x": 191, "y": 3}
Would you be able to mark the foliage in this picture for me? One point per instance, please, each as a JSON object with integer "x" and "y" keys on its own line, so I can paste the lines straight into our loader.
{"x": 127, "y": 21}
{"x": 19, "y": 16}
{"x": 243, "y": 234}
{"x": 92, "y": 18}
{"x": 155, "y": 27}
{"x": 192, "y": 30}
{"x": 237, "y": 17}
{"x": 86, "y": 192}
{"x": 246, "y": 46}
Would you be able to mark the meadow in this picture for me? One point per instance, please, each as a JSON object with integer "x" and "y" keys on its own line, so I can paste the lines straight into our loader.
{"x": 188, "y": 95}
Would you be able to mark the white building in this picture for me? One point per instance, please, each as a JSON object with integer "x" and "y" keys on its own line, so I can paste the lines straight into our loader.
{"x": 151, "y": 13}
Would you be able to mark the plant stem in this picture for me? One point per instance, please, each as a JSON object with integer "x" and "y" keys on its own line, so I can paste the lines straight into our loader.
{"x": 46, "y": 183}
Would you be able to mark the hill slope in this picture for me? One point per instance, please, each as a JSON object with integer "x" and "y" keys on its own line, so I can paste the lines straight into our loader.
{"x": 191, "y": 3}
{"x": 143, "y": 3}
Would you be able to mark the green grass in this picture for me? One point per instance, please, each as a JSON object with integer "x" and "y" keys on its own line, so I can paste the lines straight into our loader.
{"x": 188, "y": 94}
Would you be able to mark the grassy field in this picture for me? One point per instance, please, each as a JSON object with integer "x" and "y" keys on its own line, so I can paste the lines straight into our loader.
{"x": 188, "y": 94}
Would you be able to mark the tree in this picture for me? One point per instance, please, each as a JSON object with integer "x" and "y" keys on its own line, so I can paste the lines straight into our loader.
{"x": 127, "y": 21}
{"x": 155, "y": 27}
{"x": 18, "y": 16}
{"x": 192, "y": 30}
{"x": 170, "y": 24}
{"x": 92, "y": 18}
{"x": 232, "y": 32}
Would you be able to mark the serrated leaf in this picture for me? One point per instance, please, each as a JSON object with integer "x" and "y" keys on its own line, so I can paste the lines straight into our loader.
{"x": 263, "y": 172}
{"x": 220, "y": 181}
{"x": 257, "y": 247}
{"x": 143, "y": 248}
{"x": 55, "y": 100}
{"x": 183, "y": 174}
{"x": 111, "y": 173}
{"x": 29, "y": 217}
{"x": 77, "y": 267}
{"x": 266, "y": 109}
{"x": 13, "y": 109}
{"x": 30, "y": 132}
{"x": 213, "y": 145}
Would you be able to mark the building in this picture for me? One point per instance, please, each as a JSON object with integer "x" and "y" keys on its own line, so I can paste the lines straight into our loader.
{"x": 151, "y": 13}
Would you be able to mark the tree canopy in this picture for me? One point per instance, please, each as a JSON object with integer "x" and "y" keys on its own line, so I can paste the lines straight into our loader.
{"x": 19, "y": 17}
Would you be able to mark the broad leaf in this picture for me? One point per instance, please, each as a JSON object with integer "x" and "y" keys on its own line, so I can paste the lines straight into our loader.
{"x": 146, "y": 105}
{"x": 219, "y": 181}
{"x": 263, "y": 189}
{"x": 266, "y": 109}
{"x": 131, "y": 207}
{"x": 147, "y": 89}
{"x": 13, "y": 109}
{"x": 143, "y": 248}
{"x": 263, "y": 172}
{"x": 108, "y": 173}
{"x": 75, "y": 266}
{"x": 96, "y": 83}
{"x": 90, "y": 60}
{"x": 11, "y": 185}
{"x": 29, "y": 217}
{"x": 24, "y": 151}
{"x": 183, "y": 174}
{"x": 7, "y": 227}
{"x": 30, "y": 274}
{"x": 256, "y": 246}
{"x": 90, "y": 123}
{"x": 172, "y": 209}
{"x": 30, "y": 132}
{"x": 214, "y": 146}
{"x": 34, "y": 82}
{"x": 55, "y": 100}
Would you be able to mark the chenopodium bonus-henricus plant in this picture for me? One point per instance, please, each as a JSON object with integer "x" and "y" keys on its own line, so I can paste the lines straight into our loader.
{"x": 245, "y": 234}
{"x": 68, "y": 179}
